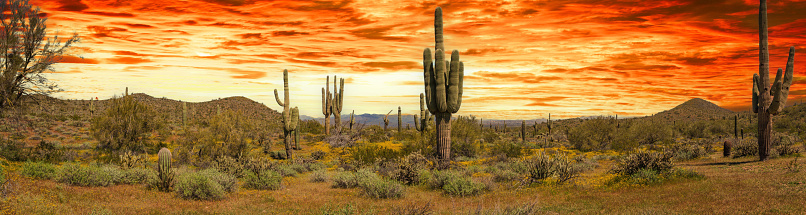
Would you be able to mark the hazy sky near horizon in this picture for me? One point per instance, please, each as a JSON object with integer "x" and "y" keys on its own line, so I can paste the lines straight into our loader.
{"x": 523, "y": 59}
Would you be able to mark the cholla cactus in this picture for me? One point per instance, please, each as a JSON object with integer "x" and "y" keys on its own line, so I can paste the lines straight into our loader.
{"x": 166, "y": 174}
{"x": 769, "y": 101}
{"x": 290, "y": 116}
{"x": 443, "y": 87}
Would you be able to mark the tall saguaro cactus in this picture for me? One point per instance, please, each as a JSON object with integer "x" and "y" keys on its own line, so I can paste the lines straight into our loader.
{"x": 443, "y": 87}
{"x": 399, "y": 120}
{"x": 523, "y": 131}
{"x": 327, "y": 99}
{"x": 386, "y": 120}
{"x": 421, "y": 122}
{"x": 768, "y": 101}
{"x": 290, "y": 116}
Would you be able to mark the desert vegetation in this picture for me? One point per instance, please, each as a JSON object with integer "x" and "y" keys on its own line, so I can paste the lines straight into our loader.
{"x": 135, "y": 154}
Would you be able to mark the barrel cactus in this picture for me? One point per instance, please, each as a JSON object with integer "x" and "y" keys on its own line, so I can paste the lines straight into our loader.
{"x": 290, "y": 116}
{"x": 443, "y": 87}
{"x": 768, "y": 101}
{"x": 166, "y": 174}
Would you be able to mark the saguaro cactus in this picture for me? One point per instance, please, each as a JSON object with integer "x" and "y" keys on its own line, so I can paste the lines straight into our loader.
{"x": 399, "y": 120}
{"x": 386, "y": 120}
{"x": 549, "y": 126}
{"x": 336, "y": 104}
{"x": 166, "y": 175}
{"x": 523, "y": 131}
{"x": 92, "y": 108}
{"x": 184, "y": 114}
{"x": 736, "y": 126}
{"x": 290, "y": 116}
{"x": 443, "y": 87}
{"x": 421, "y": 122}
{"x": 768, "y": 101}
{"x": 352, "y": 120}
{"x": 327, "y": 104}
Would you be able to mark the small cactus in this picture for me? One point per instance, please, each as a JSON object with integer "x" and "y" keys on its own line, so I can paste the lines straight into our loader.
{"x": 290, "y": 116}
{"x": 352, "y": 120}
{"x": 166, "y": 174}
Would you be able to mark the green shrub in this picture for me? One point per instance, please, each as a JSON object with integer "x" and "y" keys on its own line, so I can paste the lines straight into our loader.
{"x": 592, "y": 134}
{"x": 228, "y": 182}
{"x": 508, "y": 149}
{"x": 124, "y": 114}
{"x": 194, "y": 185}
{"x": 318, "y": 155}
{"x": 437, "y": 179}
{"x": 265, "y": 180}
{"x": 279, "y": 155}
{"x": 137, "y": 176}
{"x": 2, "y": 175}
{"x": 319, "y": 176}
{"x": 38, "y": 170}
{"x": 315, "y": 166}
{"x": 463, "y": 186}
{"x": 634, "y": 162}
{"x": 344, "y": 180}
{"x": 504, "y": 175}
{"x": 286, "y": 170}
{"x": 688, "y": 152}
{"x": 367, "y": 154}
{"x": 46, "y": 151}
{"x": 90, "y": 175}
{"x": 376, "y": 187}
{"x": 229, "y": 165}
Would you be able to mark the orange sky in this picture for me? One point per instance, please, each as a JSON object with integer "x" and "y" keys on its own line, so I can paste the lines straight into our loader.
{"x": 523, "y": 59}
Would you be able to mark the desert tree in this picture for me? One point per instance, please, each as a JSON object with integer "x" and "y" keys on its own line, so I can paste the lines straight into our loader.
{"x": 28, "y": 52}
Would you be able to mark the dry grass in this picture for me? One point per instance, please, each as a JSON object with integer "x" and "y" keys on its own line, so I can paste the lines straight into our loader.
{"x": 731, "y": 186}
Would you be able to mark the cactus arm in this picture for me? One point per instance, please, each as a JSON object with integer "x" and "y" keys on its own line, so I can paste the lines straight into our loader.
{"x": 277, "y": 97}
{"x": 755, "y": 93}
{"x": 428, "y": 78}
{"x": 461, "y": 85}
{"x": 439, "y": 73}
{"x": 416, "y": 123}
{"x": 440, "y": 45}
{"x": 341, "y": 94}
{"x": 787, "y": 81}
{"x": 776, "y": 105}
{"x": 453, "y": 83}
{"x": 293, "y": 119}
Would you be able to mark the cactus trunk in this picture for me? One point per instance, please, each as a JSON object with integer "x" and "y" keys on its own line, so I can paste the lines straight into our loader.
{"x": 443, "y": 122}
{"x": 296, "y": 135}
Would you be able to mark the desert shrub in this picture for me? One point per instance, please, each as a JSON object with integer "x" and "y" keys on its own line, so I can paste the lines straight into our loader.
{"x": 698, "y": 129}
{"x": 228, "y": 182}
{"x": 299, "y": 168}
{"x": 437, "y": 179}
{"x": 229, "y": 165}
{"x": 225, "y": 134}
{"x": 645, "y": 132}
{"x": 344, "y": 180}
{"x": 194, "y": 185}
{"x": 315, "y": 166}
{"x": 687, "y": 152}
{"x": 636, "y": 161}
{"x": 463, "y": 186}
{"x": 367, "y": 154}
{"x": 311, "y": 126}
{"x": 503, "y": 175}
{"x": 126, "y": 124}
{"x": 137, "y": 176}
{"x": 92, "y": 175}
{"x": 461, "y": 148}
{"x": 407, "y": 171}
{"x": 465, "y": 131}
{"x": 506, "y": 149}
{"x": 745, "y": 147}
{"x": 318, "y": 155}
{"x": 2, "y": 176}
{"x": 13, "y": 150}
{"x": 38, "y": 170}
{"x": 46, "y": 151}
{"x": 286, "y": 170}
{"x": 376, "y": 187}
{"x": 592, "y": 134}
{"x": 319, "y": 176}
{"x": 424, "y": 208}
{"x": 265, "y": 180}
{"x": 279, "y": 154}
{"x": 784, "y": 145}
{"x": 375, "y": 134}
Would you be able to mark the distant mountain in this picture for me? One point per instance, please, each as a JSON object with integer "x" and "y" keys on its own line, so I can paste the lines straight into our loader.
{"x": 408, "y": 119}
{"x": 695, "y": 109}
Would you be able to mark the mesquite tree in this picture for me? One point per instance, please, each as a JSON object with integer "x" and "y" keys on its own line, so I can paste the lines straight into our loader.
{"x": 768, "y": 101}
{"x": 443, "y": 87}
{"x": 28, "y": 52}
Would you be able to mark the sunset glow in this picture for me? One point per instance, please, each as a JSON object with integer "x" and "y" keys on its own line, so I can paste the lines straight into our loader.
{"x": 523, "y": 59}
